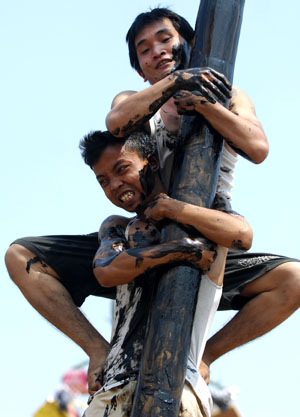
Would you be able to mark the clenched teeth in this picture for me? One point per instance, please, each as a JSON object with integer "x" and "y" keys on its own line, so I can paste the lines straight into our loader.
{"x": 126, "y": 196}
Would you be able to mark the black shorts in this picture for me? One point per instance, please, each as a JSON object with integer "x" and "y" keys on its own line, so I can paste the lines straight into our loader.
{"x": 71, "y": 258}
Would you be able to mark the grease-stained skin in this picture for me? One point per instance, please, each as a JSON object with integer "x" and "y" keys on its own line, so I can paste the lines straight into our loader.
{"x": 131, "y": 247}
{"x": 113, "y": 241}
{"x": 131, "y": 250}
{"x": 132, "y": 110}
{"x": 220, "y": 225}
{"x": 123, "y": 256}
{"x": 35, "y": 260}
{"x": 120, "y": 171}
{"x": 147, "y": 180}
{"x": 206, "y": 82}
{"x": 120, "y": 260}
{"x": 181, "y": 55}
{"x": 151, "y": 183}
{"x": 141, "y": 233}
{"x": 131, "y": 254}
{"x": 132, "y": 257}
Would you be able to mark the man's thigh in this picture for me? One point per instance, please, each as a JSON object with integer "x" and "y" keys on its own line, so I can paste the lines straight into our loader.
{"x": 277, "y": 277}
{"x": 243, "y": 268}
{"x": 70, "y": 257}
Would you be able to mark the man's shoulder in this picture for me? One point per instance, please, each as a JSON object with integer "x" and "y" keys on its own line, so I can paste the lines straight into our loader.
{"x": 240, "y": 101}
{"x": 237, "y": 93}
{"x": 122, "y": 96}
{"x": 113, "y": 224}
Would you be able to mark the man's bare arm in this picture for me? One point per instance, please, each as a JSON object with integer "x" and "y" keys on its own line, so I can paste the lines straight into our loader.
{"x": 117, "y": 264}
{"x": 228, "y": 230}
{"x": 132, "y": 111}
{"x": 238, "y": 125}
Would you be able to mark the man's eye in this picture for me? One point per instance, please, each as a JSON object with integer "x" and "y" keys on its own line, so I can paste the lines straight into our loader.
{"x": 103, "y": 183}
{"x": 122, "y": 168}
{"x": 144, "y": 51}
{"x": 166, "y": 39}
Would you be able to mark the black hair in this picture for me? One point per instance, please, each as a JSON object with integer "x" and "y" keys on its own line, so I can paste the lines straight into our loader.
{"x": 144, "y": 19}
{"x": 93, "y": 144}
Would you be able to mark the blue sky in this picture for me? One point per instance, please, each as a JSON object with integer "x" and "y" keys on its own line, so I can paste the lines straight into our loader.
{"x": 62, "y": 63}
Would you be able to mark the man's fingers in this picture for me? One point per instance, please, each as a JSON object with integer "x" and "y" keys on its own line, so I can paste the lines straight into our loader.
{"x": 204, "y": 371}
{"x": 222, "y": 78}
{"x": 207, "y": 94}
{"x": 215, "y": 90}
{"x": 93, "y": 387}
{"x": 222, "y": 88}
{"x": 182, "y": 94}
{"x": 217, "y": 83}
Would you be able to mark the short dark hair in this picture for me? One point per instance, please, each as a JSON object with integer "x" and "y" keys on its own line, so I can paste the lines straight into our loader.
{"x": 93, "y": 144}
{"x": 144, "y": 19}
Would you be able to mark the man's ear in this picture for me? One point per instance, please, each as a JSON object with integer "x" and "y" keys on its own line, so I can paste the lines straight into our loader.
{"x": 141, "y": 74}
{"x": 153, "y": 162}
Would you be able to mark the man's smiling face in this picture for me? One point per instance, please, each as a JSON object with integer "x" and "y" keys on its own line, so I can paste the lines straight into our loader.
{"x": 118, "y": 172}
{"x": 154, "y": 45}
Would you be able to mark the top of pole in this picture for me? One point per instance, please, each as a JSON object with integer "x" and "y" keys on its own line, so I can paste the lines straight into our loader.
{"x": 213, "y": 41}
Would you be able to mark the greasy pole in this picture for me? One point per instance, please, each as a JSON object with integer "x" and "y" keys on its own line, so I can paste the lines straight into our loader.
{"x": 167, "y": 343}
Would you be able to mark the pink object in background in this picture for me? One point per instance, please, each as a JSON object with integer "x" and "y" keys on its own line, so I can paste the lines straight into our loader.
{"x": 76, "y": 380}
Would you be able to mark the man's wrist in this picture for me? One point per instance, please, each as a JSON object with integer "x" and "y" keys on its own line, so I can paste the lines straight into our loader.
{"x": 167, "y": 210}
{"x": 172, "y": 80}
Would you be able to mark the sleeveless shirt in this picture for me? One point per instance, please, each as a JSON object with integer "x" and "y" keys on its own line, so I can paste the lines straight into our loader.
{"x": 165, "y": 142}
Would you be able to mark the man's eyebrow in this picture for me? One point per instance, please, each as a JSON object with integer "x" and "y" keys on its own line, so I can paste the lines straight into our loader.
{"x": 159, "y": 32}
{"x": 116, "y": 164}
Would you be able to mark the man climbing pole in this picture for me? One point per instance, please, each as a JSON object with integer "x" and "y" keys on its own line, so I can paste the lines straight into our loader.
{"x": 131, "y": 256}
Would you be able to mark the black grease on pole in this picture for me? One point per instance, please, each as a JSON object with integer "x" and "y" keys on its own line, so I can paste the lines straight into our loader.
{"x": 166, "y": 349}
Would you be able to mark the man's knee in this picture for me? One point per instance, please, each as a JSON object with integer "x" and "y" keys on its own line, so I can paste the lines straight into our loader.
{"x": 15, "y": 259}
{"x": 21, "y": 262}
{"x": 290, "y": 284}
{"x": 284, "y": 280}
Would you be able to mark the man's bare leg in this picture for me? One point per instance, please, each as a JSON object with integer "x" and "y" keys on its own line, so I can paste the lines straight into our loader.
{"x": 41, "y": 287}
{"x": 277, "y": 296}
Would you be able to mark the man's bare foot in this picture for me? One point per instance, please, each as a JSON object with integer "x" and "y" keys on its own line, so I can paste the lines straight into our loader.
{"x": 204, "y": 371}
{"x": 96, "y": 365}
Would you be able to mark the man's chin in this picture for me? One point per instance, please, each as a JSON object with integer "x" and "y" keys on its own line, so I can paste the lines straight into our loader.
{"x": 131, "y": 208}
{"x": 167, "y": 72}
{"x": 162, "y": 75}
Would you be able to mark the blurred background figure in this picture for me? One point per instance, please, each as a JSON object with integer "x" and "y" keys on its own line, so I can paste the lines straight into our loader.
{"x": 69, "y": 399}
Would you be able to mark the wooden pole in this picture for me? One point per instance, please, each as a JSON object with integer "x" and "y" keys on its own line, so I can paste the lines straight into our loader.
{"x": 167, "y": 343}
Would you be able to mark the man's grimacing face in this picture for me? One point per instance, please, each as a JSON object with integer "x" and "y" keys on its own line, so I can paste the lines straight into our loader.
{"x": 118, "y": 173}
{"x": 155, "y": 45}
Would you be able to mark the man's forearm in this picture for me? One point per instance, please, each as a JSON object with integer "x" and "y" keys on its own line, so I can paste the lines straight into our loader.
{"x": 133, "y": 112}
{"x": 125, "y": 266}
{"x": 225, "y": 229}
{"x": 230, "y": 231}
{"x": 241, "y": 133}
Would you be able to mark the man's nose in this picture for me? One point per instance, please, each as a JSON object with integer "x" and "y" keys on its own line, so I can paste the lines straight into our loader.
{"x": 158, "y": 50}
{"x": 115, "y": 183}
